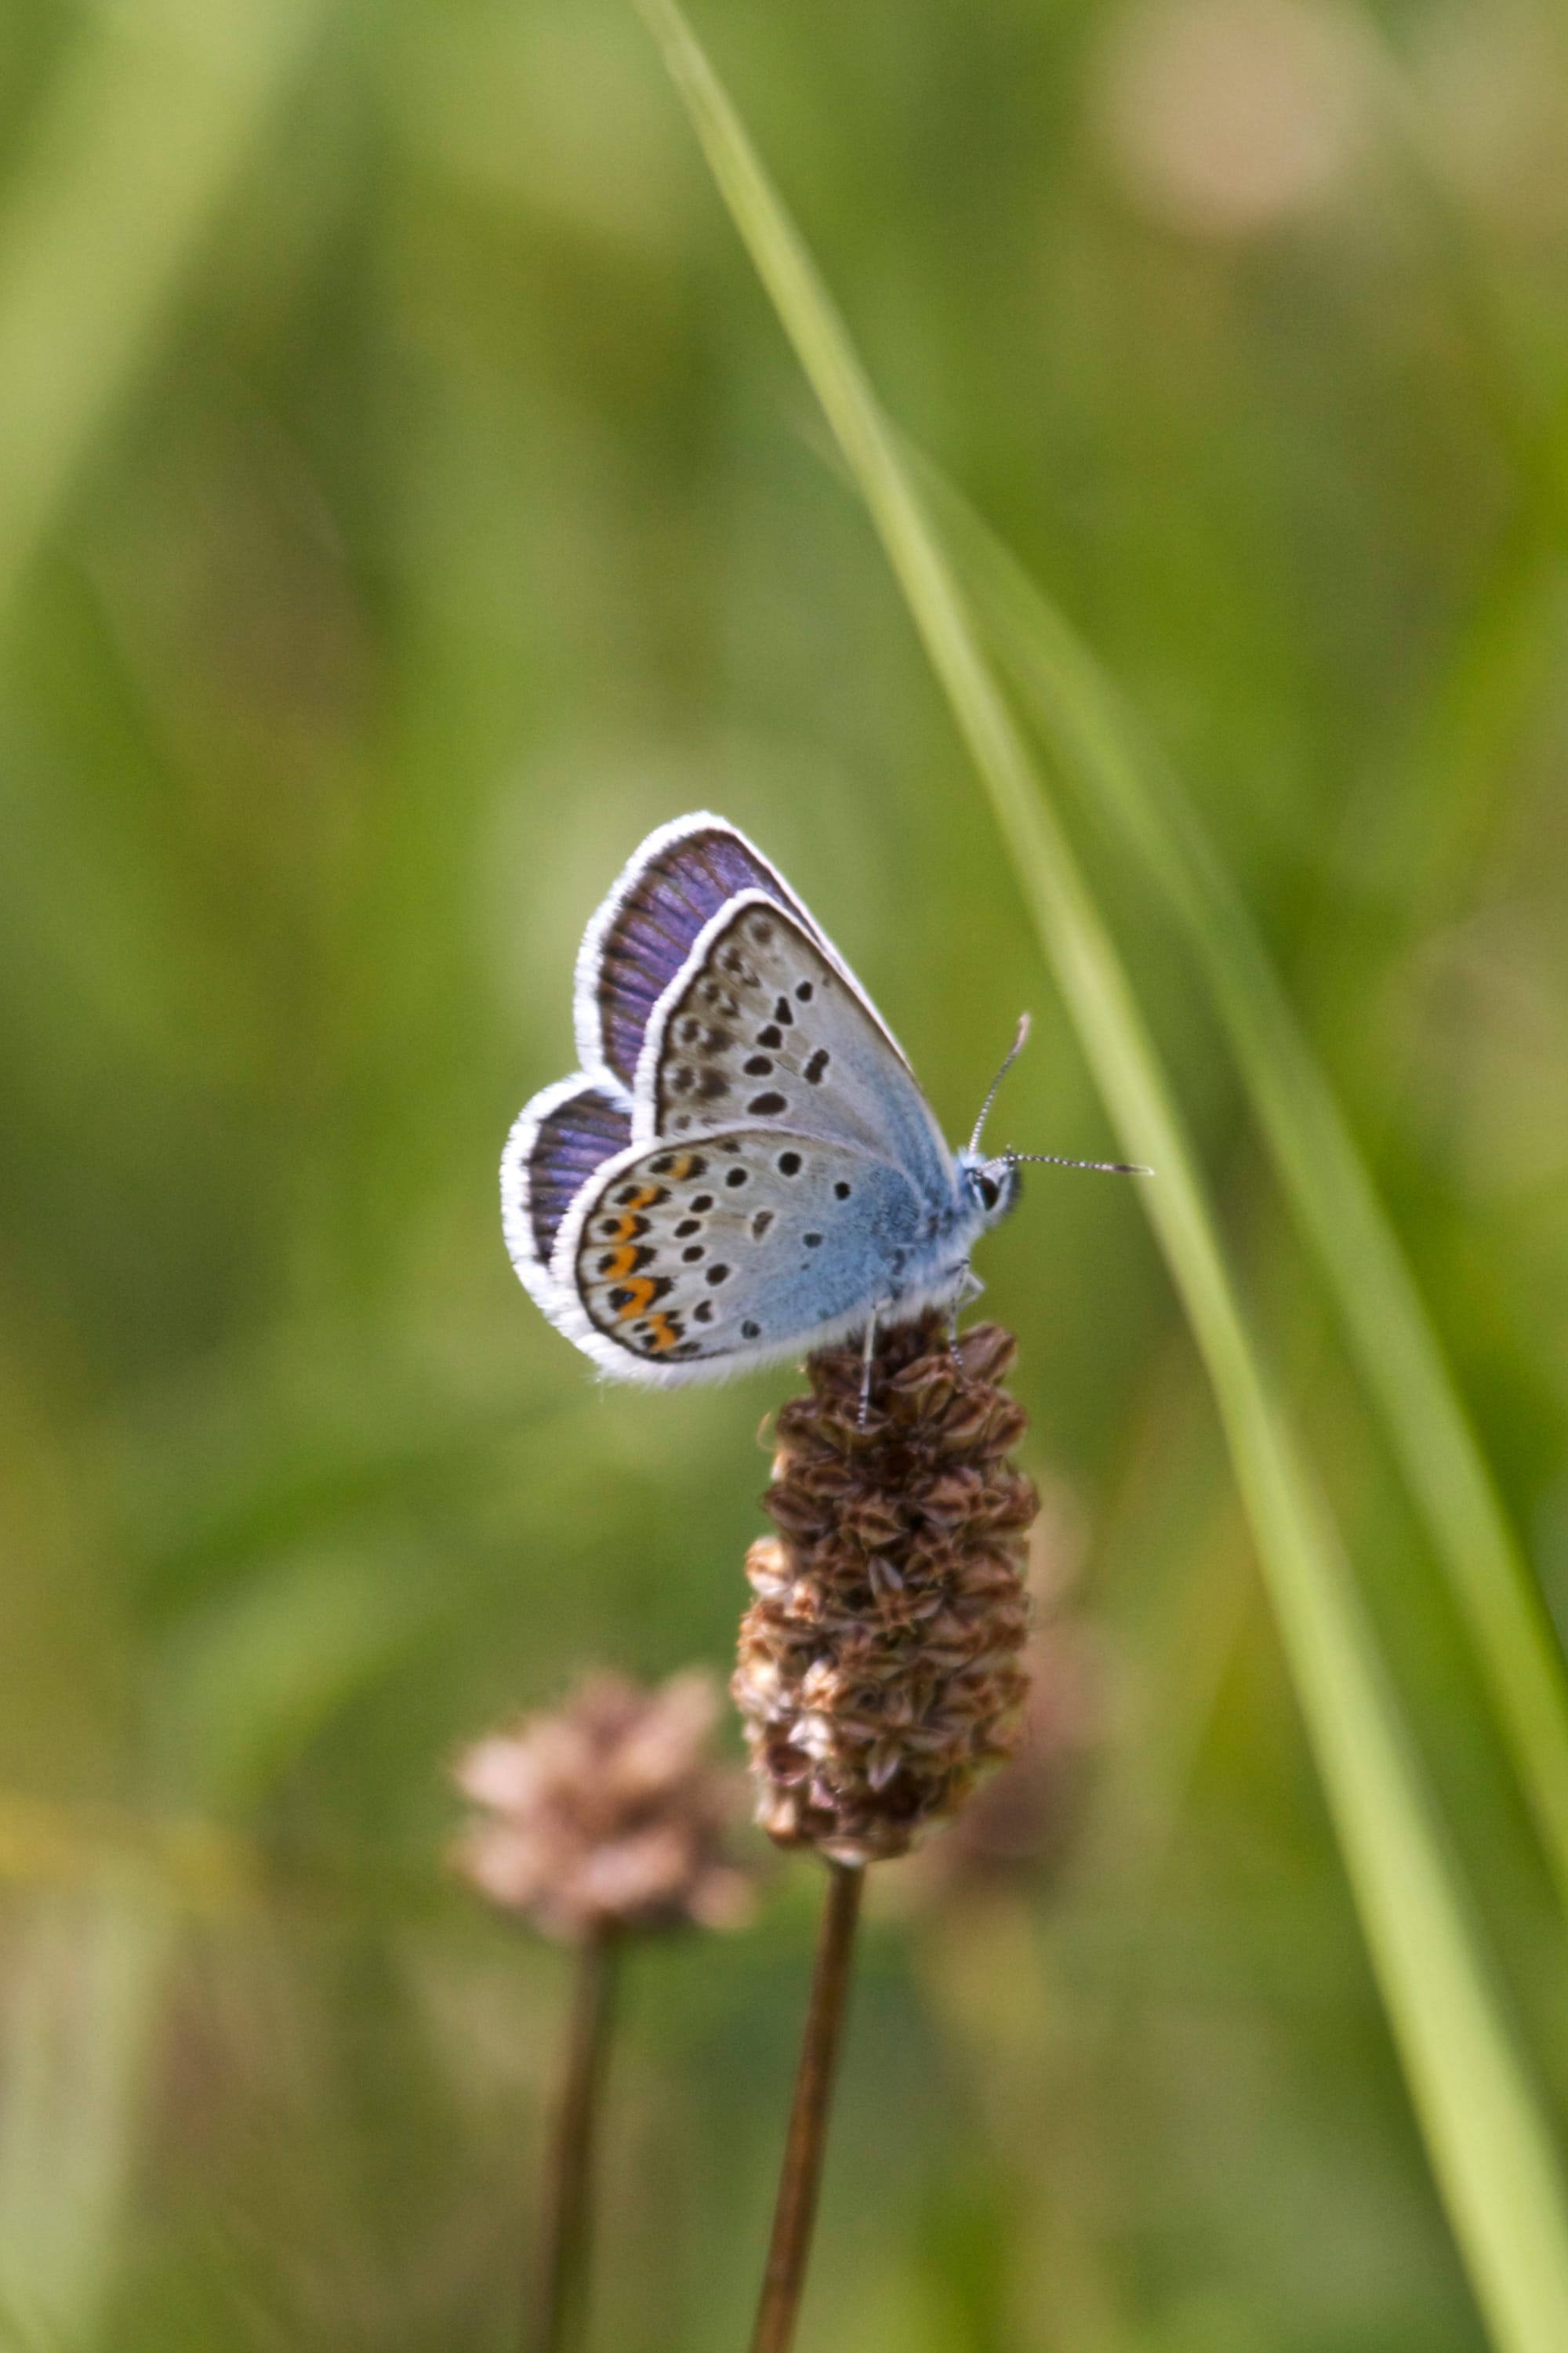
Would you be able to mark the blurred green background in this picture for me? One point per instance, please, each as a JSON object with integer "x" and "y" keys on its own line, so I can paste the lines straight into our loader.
{"x": 406, "y": 501}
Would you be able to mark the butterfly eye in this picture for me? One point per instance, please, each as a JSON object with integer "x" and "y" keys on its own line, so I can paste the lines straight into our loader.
{"x": 989, "y": 1191}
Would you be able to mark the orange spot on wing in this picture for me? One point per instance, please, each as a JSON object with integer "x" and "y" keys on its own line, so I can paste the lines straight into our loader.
{"x": 664, "y": 1335}
{"x": 622, "y": 1262}
{"x": 640, "y": 1294}
{"x": 630, "y": 1224}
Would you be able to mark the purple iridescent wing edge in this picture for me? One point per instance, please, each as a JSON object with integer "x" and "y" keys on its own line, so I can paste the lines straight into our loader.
{"x": 642, "y": 936}
{"x": 558, "y": 1141}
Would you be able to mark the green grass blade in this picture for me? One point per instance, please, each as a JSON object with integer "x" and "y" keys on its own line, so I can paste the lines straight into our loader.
{"x": 1489, "y": 2145}
{"x": 1399, "y": 1356}
{"x": 122, "y": 172}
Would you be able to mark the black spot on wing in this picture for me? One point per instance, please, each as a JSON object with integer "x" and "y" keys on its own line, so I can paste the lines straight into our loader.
{"x": 652, "y": 932}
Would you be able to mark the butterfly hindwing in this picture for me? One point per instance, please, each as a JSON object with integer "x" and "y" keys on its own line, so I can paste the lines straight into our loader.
{"x": 739, "y": 1245}
{"x": 556, "y": 1144}
{"x": 764, "y": 1027}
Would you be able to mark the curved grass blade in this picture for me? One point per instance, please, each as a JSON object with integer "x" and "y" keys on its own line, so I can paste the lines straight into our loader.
{"x": 1335, "y": 1201}
{"x": 1489, "y": 2145}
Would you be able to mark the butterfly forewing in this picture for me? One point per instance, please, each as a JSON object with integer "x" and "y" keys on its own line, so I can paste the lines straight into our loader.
{"x": 765, "y": 1029}
{"x": 740, "y": 1243}
{"x": 680, "y": 879}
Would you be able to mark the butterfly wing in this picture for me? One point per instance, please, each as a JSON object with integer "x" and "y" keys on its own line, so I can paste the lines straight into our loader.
{"x": 763, "y": 1026}
{"x": 685, "y": 1263}
{"x": 557, "y": 1142}
{"x": 643, "y": 936}
{"x": 747, "y": 1164}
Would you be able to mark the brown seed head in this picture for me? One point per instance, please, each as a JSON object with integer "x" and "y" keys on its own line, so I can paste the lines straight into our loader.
{"x": 879, "y": 1663}
{"x": 607, "y": 1812}
{"x": 1022, "y": 1825}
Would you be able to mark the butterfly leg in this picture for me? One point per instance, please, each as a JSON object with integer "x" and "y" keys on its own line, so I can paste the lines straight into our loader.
{"x": 868, "y": 1364}
{"x": 967, "y": 1287}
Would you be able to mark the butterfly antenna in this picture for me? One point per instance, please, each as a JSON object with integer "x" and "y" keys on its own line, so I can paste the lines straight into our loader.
{"x": 1102, "y": 1167}
{"x": 1013, "y": 1050}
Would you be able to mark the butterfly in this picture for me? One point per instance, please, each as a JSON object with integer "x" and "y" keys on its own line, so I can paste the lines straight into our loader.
{"x": 745, "y": 1167}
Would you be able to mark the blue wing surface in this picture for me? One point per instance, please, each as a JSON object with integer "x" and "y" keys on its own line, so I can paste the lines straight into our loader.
{"x": 557, "y": 1142}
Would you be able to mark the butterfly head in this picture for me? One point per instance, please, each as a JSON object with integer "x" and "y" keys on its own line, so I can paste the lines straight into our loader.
{"x": 993, "y": 1186}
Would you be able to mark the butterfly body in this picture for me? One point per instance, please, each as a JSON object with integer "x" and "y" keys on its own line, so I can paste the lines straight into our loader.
{"x": 745, "y": 1166}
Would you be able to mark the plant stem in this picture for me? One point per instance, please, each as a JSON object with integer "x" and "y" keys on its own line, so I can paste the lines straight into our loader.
{"x": 801, "y": 2177}
{"x": 562, "y": 2268}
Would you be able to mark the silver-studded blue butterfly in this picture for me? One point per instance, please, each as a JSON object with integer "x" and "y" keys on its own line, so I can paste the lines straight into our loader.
{"x": 745, "y": 1166}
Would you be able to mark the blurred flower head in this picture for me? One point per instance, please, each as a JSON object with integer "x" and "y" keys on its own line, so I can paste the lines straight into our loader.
{"x": 1225, "y": 118}
{"x": 607, "y": 1812}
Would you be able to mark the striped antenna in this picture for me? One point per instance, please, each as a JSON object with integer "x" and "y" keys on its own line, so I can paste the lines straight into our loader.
{"x": 1102, "y": 1167}
{"x": 1013, "y": 1050}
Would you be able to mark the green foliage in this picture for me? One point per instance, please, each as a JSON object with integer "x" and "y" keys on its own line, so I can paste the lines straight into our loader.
{"x": 402, "y": 505}
{"x": 1489, "y": 2141}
